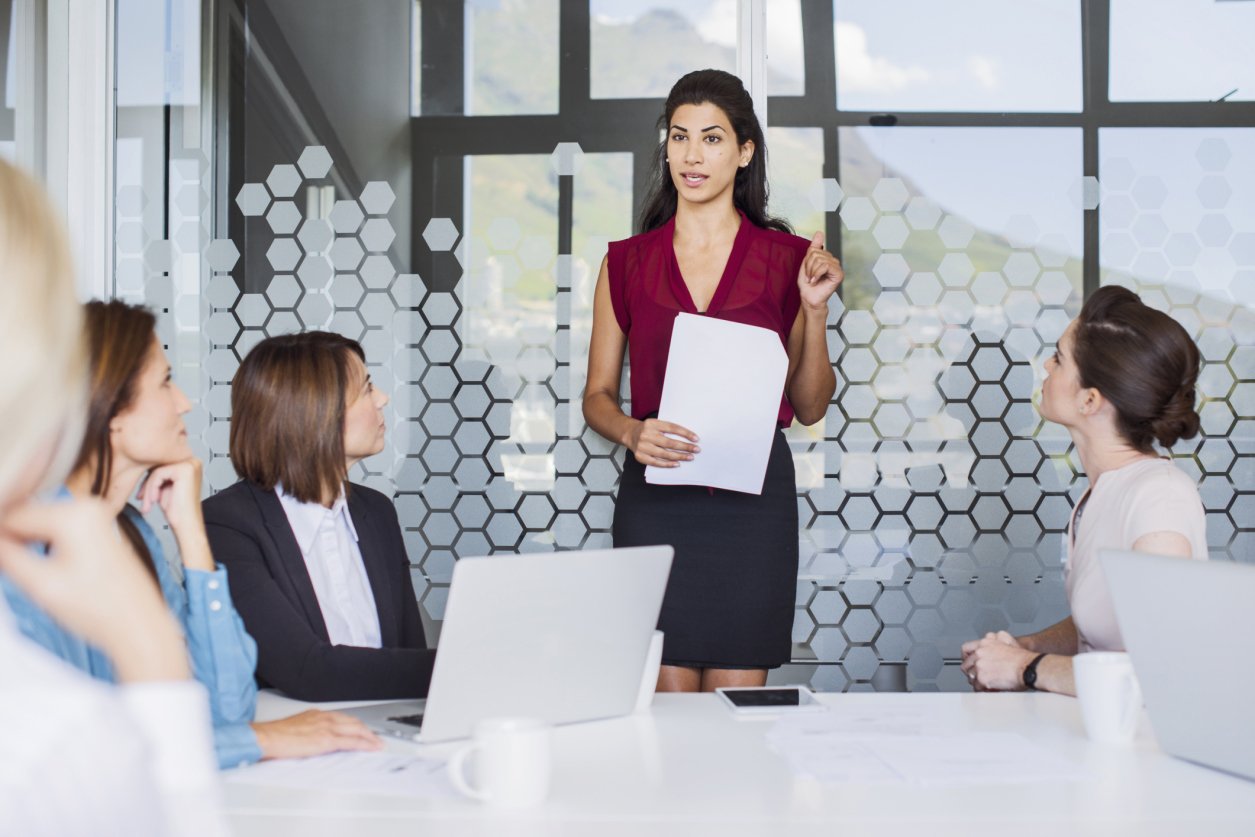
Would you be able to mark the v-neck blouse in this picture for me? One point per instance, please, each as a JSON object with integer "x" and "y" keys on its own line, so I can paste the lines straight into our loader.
{"x": 758, "y": 287}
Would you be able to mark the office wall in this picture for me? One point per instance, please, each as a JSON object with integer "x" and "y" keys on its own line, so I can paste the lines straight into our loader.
{"x": 439, "y": 180}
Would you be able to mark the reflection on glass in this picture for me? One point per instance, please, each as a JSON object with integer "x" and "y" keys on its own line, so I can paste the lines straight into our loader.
{"x": 1178, "y": 208}
{"x": 601, "y": 213}
{"x": 513, "y": 57}
{"x": 786, "y": 70}
{"x": 640, "y": 48}
{"x": 982, "y": 55}
{"x": 962, "y": 256}
{"x": 161, "y": 187}
{"x": 1181, "y": 51}
{"x": 795, "y": 168}
{"x": 508, "y": 299}
{"x": 1177, "y": 225}
{"x": 986, "y": 210}
{"x": 9, "y": 85}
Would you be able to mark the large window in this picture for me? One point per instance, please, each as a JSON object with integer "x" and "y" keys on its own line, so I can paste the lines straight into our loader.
{"x": 440, "y": 180}
{"x": 980, "y": 55}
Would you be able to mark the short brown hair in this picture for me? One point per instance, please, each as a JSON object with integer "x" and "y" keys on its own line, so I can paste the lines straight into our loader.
{"x": 1143, "y": 362}
{"x": 287, "y": 413}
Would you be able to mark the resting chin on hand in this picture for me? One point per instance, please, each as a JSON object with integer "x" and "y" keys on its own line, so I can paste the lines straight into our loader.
{"x": 996, "y": 662}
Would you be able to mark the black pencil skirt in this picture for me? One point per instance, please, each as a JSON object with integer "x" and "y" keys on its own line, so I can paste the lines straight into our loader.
{"x": 729, "y": 601}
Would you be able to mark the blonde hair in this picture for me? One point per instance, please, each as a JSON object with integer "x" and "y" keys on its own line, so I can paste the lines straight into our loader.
{"x": 43, "y": 381}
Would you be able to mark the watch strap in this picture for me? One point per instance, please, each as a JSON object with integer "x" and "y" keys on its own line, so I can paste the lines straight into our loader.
{"x": 1030, "y": 673}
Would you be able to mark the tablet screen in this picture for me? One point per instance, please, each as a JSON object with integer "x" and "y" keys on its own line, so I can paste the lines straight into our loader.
{"x": 767, "y": 697}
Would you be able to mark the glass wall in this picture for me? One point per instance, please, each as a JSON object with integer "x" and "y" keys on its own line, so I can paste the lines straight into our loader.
{"x": 9, "y": 88}
{"x": 24, "y": 55}
{"x": 440, "y": 181}
{"x": 1178, "y": 226}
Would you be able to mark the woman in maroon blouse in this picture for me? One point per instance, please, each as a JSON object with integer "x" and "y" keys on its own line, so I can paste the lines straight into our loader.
{"x": 707, "y": 246}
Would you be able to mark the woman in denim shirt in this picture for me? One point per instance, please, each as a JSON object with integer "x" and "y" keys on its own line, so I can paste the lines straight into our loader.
{"x": 136, "y": 436}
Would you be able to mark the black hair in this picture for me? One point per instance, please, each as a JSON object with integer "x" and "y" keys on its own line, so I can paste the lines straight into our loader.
{"x": 749, "y": 191}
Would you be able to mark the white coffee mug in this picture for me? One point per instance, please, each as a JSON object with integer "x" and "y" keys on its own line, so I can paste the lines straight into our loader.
{"x": 1110, "y": 696}
{"x": 511, "y": 765}
{"x": 649, "y": 677}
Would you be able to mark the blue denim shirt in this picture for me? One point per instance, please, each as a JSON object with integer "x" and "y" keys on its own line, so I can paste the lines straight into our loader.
{"x": 223, "y": 655}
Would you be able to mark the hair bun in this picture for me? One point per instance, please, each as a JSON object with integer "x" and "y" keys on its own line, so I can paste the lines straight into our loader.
{"x": 1178, "y": 420}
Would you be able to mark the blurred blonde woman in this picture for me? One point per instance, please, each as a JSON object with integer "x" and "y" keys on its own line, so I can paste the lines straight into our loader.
{"x": 77, "y": 756}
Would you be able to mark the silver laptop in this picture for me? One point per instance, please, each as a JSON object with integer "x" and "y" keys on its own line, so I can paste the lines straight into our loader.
{"x": 560, "y": 636}
{"x": 1188, "y": 627}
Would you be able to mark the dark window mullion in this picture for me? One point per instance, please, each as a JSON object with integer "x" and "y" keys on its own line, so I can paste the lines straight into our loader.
{"x": 1095, "y": 58}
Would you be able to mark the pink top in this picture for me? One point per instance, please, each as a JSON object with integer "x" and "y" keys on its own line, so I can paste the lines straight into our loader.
{"x": 758, "y": 288}
{"x": 1145, "y": 496}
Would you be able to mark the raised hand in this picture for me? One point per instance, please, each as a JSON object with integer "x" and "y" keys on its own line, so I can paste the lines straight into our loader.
{"x": 819, "y": 275}
{"x": 91, "y": 583}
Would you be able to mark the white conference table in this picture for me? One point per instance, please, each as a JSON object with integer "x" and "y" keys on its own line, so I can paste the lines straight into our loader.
{"x": 689, "y": 767}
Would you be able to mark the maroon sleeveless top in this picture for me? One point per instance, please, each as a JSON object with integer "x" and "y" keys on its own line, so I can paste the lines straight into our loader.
{"x": 758, "y": 288}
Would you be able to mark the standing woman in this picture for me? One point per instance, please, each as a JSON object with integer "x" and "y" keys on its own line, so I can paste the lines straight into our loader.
{"x": 707, "y": 246}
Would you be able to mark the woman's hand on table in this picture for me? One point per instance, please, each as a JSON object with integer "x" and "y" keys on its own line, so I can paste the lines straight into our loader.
{"x": 312, "y": 733}
{"x": 996, "y": 662}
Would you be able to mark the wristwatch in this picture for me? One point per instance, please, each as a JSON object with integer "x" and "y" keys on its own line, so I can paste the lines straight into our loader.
{"x": 1030, "y": 673}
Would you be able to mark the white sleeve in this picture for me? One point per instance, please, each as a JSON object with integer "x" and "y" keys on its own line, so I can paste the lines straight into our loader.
{"x": 79, "y": 757}
{"x": 173, "y": 721}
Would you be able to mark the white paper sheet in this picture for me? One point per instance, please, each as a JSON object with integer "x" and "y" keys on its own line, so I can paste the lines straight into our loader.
{"x": 384, "y": 773}
{"x": 724, "y": 382}
{"x": 850, "y": 749}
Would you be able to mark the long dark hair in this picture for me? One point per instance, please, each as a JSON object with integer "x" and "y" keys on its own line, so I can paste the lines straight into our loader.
{"x": 119, "y": 338}
{"x": 1143, "y": 362}
{"x": 749, "y": 191}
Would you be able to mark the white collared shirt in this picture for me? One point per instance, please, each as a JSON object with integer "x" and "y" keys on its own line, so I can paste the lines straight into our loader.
{"x": 328, "y": 542}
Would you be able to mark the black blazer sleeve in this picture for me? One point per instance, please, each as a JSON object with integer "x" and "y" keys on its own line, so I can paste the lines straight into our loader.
{"x": 274, "y": 596}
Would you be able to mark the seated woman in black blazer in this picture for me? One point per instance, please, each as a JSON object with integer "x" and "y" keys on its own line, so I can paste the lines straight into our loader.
{"x": 317, "y": 565}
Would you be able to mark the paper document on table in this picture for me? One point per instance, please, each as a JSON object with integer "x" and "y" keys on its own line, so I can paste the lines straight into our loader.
{"x": 724, "y": 381}
{"x": 829, "y": 748}
{"x": 869, "y": 722}
{"x": 974, "y": 758}
{"x": 383, "y": 773}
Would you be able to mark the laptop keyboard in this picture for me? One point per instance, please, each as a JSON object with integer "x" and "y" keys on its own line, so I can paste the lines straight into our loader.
{"x": 411, "y": 720}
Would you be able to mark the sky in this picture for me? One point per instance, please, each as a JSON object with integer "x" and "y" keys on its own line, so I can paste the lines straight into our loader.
{"x": 996, "y": 56}
{"x": 979, "y": 55}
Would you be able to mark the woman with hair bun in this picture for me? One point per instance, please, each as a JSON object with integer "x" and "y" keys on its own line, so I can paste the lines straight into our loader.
{"x": 1121, "y": 381}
